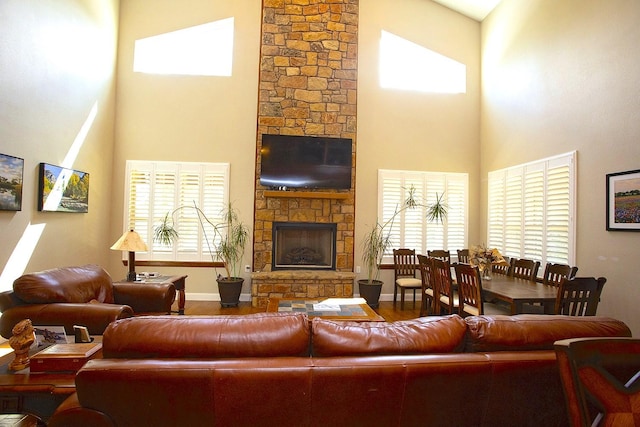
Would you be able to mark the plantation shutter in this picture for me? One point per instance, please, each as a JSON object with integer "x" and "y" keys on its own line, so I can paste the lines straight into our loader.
{"x": 157, "y": 188}
{"x": 410, "y": 228}
{"x": 531, "y": 210}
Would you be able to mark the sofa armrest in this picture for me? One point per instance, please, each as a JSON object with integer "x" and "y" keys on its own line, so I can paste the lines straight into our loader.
{"x": 95, "y": 316}
{"x": 154, "y": 298}
{"x": 70, "y": 413}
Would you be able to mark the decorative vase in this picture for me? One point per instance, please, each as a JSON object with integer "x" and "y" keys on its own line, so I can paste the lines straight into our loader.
{"x": 486, "y": 271}
{"x": 370, "y": 291}
{"x": 230, "y": 289}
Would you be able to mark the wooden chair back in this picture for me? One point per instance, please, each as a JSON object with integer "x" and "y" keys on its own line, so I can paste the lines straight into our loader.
{"x": 463, "y": 256}
{"x": 404, "y": 263}
{"x": 446, "y": 300}
{"x": 524, "y": 268}
{"x": 440, "y": 254}
{"x": 502, "y": 268}
{"x": 601, "y": 380}
{"x": 469, "y": 290}
{"x": 554, "y": 273}
{"x": 424, "y": 264}
{"x": 579, "y": 296}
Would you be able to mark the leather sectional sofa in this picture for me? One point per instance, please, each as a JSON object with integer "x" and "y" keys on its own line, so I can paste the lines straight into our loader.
{"x": 83, "y": 295}
{"x": 276, "y": 369}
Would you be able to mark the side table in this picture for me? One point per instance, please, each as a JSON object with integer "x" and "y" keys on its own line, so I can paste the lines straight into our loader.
{"x": 178, "y": 281}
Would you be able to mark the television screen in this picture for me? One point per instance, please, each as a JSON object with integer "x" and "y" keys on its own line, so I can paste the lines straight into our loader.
{"x": 305, "y": 162}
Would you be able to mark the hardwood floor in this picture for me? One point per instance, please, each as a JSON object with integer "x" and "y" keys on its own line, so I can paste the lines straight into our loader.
{"x": 386, "y": 309}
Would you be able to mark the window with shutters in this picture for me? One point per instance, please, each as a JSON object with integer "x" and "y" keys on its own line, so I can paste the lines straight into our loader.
{"x": 531, "y": 210}
{"x": 154, "y": 189}
{"x": 410, "y": 228}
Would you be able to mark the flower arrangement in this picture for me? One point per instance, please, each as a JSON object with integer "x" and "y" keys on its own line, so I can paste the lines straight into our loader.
{"x": 484, "y": 258}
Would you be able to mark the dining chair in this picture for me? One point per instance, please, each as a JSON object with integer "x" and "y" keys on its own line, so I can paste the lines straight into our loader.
{"x": 440, "y": 254}
{"x": 502, "y": 268}
{"x": 404, "y": 267}
{"x": 524, "y": 268}
{"x": 471, "y": 303}
{"x": 424, "y": 263}
{"x": 463, "y": 256}
{"x": 579, "y": 296}
{"x": 445, "y": 297}
{"x": 601, "y": 380}
{"x": 554, "y": 273}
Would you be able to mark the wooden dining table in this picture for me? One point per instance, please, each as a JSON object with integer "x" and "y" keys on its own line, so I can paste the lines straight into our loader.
{"x": 517, "y": 292}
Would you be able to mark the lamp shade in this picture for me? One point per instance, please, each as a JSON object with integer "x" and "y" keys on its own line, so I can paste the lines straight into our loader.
{"x": 130, "y": 241}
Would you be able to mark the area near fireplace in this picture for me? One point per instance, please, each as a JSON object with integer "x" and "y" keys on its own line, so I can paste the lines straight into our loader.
{"x": 307, "y": 87}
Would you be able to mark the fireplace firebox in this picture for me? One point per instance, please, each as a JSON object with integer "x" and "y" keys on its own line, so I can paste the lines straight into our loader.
{"x": 304, "y": 246}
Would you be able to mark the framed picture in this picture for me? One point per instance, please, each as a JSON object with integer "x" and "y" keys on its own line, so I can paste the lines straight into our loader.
{"x": 11, "y": 173}
{"x": 62, "y": 190}
{"x": 623, "y": 201}
{"x": 50, "y": 335}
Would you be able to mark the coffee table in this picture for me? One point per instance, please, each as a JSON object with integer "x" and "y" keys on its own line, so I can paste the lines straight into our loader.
{"x": 350, "y": 309}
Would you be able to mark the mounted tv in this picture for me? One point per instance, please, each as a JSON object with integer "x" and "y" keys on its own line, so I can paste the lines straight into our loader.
{"x": 305, "y": 162}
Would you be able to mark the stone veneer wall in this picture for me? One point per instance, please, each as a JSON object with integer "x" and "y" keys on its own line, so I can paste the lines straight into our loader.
{"x": 308, "y": 81}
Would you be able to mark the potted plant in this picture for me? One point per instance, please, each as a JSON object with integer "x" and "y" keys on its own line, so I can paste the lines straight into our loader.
{"x": 377, "y": 241}
{"x": 227, "y": 245}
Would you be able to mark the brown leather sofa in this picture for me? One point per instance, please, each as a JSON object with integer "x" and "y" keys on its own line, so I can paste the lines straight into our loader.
{"x": 276, "y": 369}
{"x": 83, "y": 295}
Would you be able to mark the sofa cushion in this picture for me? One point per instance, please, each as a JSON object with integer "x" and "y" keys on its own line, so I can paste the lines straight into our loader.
{"x": 252, "y": 335}
{"x": 417, "y": 336}
{"x": 535, "y": 331}
{"x": 66, "y": 284}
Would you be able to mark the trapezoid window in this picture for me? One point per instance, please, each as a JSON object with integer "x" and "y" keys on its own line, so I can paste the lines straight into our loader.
{"x": 202, "y": 50}
{"x": 406, "y": 65}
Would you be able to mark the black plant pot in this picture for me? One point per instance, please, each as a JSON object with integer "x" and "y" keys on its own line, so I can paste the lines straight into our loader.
{"x": 230, "y": 289}
{"x": 370, "y": 291}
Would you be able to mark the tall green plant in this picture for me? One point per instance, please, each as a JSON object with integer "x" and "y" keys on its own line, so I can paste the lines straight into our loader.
{"x": 377, "y": 241}
{"x": 229, "y": 240}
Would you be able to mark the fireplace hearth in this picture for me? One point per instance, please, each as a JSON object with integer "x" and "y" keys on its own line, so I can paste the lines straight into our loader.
{"x": 304, "y": 246}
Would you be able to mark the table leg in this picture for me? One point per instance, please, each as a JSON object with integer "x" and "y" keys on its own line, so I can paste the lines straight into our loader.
{"x": 180, "y": 287}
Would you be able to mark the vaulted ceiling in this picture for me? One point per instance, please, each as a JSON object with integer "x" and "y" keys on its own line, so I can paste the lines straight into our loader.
{"x": 475, "y": 9}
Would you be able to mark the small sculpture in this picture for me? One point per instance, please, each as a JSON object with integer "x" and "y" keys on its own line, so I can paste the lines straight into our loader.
{"x": 21, "y": 340}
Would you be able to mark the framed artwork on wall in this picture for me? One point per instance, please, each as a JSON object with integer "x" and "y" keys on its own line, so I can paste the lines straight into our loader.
{"x": 62, "y": 189}
{"x": 11, "y": 174}
{"x": 623, "y": 201}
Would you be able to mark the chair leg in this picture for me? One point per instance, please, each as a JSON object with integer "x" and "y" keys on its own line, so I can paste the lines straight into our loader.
{"x": 402, "y": 298}
{"x": 395, "y": 293}
{"x": 414, "y": 299}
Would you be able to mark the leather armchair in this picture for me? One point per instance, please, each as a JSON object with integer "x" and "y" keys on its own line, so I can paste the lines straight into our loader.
{"x": 83, "y": 295}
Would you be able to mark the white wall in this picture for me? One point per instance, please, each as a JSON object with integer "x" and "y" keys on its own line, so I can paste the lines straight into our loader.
{"x": 58, "y": 62}
{"x": 188, "y": 118}
{"x": 411, "y": 130}
{"x": 561, "y": 76}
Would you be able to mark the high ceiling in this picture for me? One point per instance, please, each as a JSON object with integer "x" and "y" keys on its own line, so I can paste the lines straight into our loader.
{"x": 475, "y": 9}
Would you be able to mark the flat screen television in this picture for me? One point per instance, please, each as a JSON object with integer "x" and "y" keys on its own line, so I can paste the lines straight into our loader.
{"x": 305, "y": 162}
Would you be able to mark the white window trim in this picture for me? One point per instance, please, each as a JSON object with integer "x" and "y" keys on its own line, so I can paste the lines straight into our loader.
{"x": 498, "y": 235}
{"x": 210, "y": 198}
{"x": 444, "y": 233}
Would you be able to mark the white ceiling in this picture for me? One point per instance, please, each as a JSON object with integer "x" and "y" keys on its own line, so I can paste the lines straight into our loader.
{"x": 475, "y": 9}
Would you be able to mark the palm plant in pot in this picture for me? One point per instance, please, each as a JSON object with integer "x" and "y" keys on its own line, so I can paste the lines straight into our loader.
{"x": 227, "y": 244}
{"x": 378, "y": 240}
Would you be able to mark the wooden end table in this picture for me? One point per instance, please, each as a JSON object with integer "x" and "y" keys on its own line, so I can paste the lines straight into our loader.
{"x": 38, "y": 394}
{"x": 178, "y": 281}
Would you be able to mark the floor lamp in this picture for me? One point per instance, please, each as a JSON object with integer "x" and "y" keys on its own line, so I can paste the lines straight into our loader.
{"x": 132, "y": 243}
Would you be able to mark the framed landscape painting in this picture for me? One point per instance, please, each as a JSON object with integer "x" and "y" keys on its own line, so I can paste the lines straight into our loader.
{"x": 11, "y": 173}
{"x": 623, "y": 201}
{"x": 62, "y": 190}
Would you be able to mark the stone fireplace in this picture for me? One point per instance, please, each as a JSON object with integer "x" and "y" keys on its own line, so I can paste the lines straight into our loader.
{"x": 307, "y": 87}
